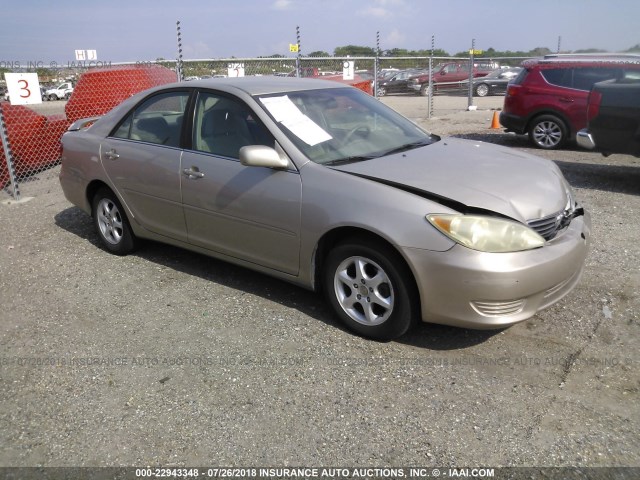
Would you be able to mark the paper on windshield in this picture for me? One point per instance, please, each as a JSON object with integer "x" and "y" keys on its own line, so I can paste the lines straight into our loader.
{"x": 287, "y": 113}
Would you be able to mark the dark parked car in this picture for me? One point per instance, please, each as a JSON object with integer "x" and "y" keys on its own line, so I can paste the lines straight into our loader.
{"x": 548, "y": 99}
{"x": 614, "y": 118}
{"x": 396, "y": 82}
{"x": 495, "y": 83}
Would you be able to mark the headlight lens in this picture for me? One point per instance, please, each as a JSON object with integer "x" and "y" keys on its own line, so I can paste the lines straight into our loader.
{"x": 486, "y": 234}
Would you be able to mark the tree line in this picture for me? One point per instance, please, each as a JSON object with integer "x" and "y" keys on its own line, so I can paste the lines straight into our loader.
{"x": 362, "y": 51}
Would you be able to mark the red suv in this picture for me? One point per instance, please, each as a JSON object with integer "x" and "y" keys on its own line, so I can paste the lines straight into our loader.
{"x": 449, "y": 75}
{"x": 548, "y": 99}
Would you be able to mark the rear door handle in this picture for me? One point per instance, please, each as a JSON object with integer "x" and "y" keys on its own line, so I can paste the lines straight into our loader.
{"x": 193, "y": 172}
{"x": 566, "y": 99}
{"x": 111, "y": 154}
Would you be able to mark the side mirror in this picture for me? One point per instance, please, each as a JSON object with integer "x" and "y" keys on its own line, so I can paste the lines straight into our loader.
{"x": 262, "y": 156}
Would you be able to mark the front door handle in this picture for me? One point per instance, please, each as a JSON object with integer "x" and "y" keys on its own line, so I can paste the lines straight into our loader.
{"x": 193, "y": 172}
{"x": 566, "y": 99}
{"x": 111, "y": 154}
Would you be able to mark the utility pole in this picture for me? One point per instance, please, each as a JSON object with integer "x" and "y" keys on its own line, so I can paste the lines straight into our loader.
{"x": 298, "y": 66}
{"x": 179, "y": 62}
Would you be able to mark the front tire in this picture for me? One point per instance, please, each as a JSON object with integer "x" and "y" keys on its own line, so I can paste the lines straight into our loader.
{"x": 548, "y": 132}
{"x": 382, "y": 91}
{"x": 111, "y": 223}
{"x": 424, "y": 90}
{"x": 370, "y": 289}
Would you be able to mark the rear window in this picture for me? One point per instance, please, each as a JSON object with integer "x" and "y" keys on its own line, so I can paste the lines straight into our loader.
{"x": 520, "y": 77}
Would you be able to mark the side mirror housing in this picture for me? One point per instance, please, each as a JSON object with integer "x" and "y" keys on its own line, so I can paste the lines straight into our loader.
{"x": 262, "y": 156}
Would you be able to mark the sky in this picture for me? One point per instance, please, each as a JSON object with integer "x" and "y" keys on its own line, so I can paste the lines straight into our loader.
{"x": 142, "y": 30}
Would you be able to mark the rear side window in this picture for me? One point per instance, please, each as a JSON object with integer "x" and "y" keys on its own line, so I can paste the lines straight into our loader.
{"x": 562, "y": 77}
{"x": 580, "y": 78}
{"x": 158, "y": 120}
{"x": 584, "y": 78}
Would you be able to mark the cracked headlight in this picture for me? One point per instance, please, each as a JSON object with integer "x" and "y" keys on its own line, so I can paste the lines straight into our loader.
{"x": 486, "y": 234}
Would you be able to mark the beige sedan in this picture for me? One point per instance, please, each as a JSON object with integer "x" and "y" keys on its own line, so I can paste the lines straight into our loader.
{"x": 321, "y": 185}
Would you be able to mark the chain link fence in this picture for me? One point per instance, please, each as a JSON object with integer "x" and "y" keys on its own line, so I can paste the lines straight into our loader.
{"x": 31, "y": 134}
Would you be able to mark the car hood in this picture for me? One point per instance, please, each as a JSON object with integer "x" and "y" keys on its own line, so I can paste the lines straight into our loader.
{"x": 476, "y": 174}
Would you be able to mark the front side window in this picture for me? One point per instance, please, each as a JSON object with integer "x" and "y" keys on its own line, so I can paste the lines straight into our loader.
{"x": 223, "y": 125}
{"x": 158, "y": 120}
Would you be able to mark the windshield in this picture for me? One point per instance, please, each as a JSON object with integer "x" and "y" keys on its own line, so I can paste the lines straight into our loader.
{"x": 341, "y": 125}
{"x": 494, "y": 74}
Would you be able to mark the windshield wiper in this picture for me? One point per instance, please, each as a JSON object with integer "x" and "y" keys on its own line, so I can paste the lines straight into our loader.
{"x": 360, "y": 158}
{"x": 342, "y": 161}
{"x": 408, "y": 146}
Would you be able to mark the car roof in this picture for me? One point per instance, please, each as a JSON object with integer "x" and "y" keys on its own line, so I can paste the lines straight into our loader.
{"x": 262, "y": 85}
{"x": 566, "y": 60}
{"x": 247, "y": 85}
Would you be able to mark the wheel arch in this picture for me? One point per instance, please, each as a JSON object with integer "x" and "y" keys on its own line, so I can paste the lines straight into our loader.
{"x": 550, "y": 111}
{"x": 92, "y": 189}
{"x": 96, "y": 185}
{"x": 356, "y": 234}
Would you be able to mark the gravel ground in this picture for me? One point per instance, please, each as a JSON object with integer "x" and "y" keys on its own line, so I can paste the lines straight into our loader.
{"x": 170, "y": 358}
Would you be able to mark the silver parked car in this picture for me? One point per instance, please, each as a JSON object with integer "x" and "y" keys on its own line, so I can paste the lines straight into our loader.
{"x": 321, "y": 185}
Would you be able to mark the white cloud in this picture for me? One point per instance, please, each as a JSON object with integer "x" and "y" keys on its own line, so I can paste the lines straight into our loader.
{"x": 375, "y": 12}
{"x": 282, "y": 4}
{"x": 383, "y": 8}
{"x": 198, "y": 49}
{"x": 395, "y": 39}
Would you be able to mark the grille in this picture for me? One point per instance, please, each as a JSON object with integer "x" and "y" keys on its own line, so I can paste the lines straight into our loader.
{"x": 547, "y": 227}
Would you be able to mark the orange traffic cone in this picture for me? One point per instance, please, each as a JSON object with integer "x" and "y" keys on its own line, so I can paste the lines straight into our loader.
{"x": 495, "y": 122}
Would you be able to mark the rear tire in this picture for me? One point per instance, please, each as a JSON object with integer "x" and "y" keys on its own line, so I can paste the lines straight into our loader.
{"x": 482, "y": 90}
{"x": 382, "y": 91}
{"x": 548, "y": 132}
{"x": 370, "y": 289}
{"x": 111, "y": 223}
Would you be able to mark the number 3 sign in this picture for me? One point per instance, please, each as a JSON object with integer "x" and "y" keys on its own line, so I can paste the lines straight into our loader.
{"x": 23, "y": 88}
